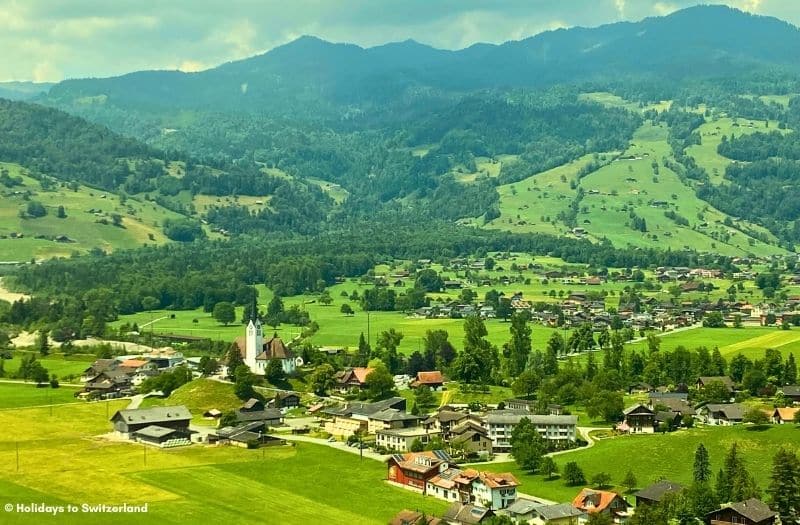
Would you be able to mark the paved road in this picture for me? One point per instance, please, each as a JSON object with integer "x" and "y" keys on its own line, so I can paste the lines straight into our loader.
{"x": 338, "y": 445}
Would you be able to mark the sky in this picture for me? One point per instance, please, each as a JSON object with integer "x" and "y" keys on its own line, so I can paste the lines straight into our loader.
{"x": 49, "y": 40}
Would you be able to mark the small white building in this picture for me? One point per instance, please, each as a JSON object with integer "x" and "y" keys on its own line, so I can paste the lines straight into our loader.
{"x": 495, "y": 490}
{"x": 400, "y": 439}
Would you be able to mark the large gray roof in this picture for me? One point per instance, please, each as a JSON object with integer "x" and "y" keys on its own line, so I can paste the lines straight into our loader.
{"x": 154, "y": 431}
{"x": 656, "y": 491}
{"x": 560, "y": 510}
{"x": 153, "y": 414}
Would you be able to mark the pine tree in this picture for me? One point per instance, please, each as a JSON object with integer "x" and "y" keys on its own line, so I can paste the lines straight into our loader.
{"x": 591, "y": 367}
{"x": 364, "y": 351}
{"x": 702, "y": 469}
{"x": 520, "y": 344}
{"x": 555, "y": 346}
{"x": 790, "y": 371}
{"x": 784, "y": 486}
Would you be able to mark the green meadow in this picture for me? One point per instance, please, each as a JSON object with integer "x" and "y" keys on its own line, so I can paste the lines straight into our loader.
{"x": 61, "y": 461}
{"x": 16, "y": 395}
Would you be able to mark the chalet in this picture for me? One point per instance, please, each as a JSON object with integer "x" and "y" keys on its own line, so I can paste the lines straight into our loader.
{"x": 413, "y": 517}
{"x": 127, "y": 422}
{"x": 353, "y": 379}
{"x": 721, "y": 414}
{"x": 791, "y": 392}
{"x": 257, "y": 353}
{"x": 784, "y": 415}
{"x": 501, "y": 423}
{"x": 433, "y": 380}
{"x": 726, "y": 381}
{"x": 452, "y": 484}
{"x": 472, "y": 437}
{"x": 255, "y": 410}
{"x": 639, "y": 419}
{"x": 602, "y": 502}
{"x": 672, "y": 404}
{"x": 496, "y": 490}
{"x": 466, "y": 514}
{"x": 443, "y": 420}
{"x": 401, "y": 439}
{"x": 656, "y": 492}
{"x": 284, "y": 400}
{"x": 414, "y": 469}
{"x": 749, "y": 512}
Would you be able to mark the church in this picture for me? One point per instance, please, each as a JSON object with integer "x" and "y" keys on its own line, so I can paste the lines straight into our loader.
{"x": 256, "y": 352}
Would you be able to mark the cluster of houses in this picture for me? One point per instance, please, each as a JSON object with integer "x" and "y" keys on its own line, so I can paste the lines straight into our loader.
{"x": 119, "y": 376}
{"x": 477, "y": 496}
{"x": 668, "y": 410}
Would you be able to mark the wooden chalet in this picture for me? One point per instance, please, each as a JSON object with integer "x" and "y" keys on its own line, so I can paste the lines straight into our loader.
{"x": 414, "y": 469}
{"x": 749, "y": 512}
{"x": 655, "y": 493}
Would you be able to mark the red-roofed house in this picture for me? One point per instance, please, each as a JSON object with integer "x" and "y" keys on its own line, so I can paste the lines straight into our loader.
{"x": 432, "y": 379}
{"x": 414, "y": 469}
{"x": 784, "y": 415}
{"x": 353, "y": 379}
{"x": 602, "y": 502}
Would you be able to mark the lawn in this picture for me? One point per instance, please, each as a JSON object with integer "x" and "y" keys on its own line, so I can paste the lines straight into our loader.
{"x": 669, "y": 456}
{"x": 16, "y": 395}
{"x": 56, "y": 364}
{"x": 749, "y": 341}
{"x": 62, "y": 462}
{"x": 199, "y": 396}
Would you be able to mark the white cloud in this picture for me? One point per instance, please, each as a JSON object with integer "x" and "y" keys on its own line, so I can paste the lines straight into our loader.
{"x": 191, "y": 66}
{"x": 620, "y": 6}
{"x": 664, "y": 8}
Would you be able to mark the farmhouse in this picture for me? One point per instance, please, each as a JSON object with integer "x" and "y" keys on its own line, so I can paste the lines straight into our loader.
{"x": 255, "y": 410}
{"x": 726, "y": 381}
{"x": 162, "y": 436}
{"x": 750, "y": 512}
{"x": 639, "y": 419}
{"x": 433, "y": 380}
{"x": 472, "y": 437}
{"x": 656, "y": 492}
{"x": 246, "y": 435}
{"x": 126, "y": 422}
{"x": 257, "y": 353}
{"x": 538, "y": 514}
{"x": 452, "y": 484}
{"x": 284, "y": 400}
{"x": 414, "y": 469}
{"x": 466, "y": 514}
{"x": 602, "y": 502}
{"x": 353, "y": 379}
{"x": 443, "y": 420}
{"x": 791, "y": 392}
{"x": 784, "y": 415}
{"x": 501, "y": 423}
{"x": 721, "y": 414}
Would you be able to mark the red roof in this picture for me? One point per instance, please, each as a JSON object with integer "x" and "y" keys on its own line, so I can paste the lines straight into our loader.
{"x": 497, "y": 480}
{"x": 430, "y": 378}
{"x": 592, "y": 501}
{"x": 133, "y": 363}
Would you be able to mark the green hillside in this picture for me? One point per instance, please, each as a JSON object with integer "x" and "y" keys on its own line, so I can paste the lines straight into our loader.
{"x": 632, "y": 186}
{"x": 88, "y": 223}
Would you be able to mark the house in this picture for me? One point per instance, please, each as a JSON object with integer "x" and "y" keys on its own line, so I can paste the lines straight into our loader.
{"x": 501, "y": 423}
{"x": 750, "y": 512}
{"x": 433, "y": 380}
{"x": 558, "y": 514}
{"x": 452, "y": 484}
{"x": 257, "y": 353}
{"x": 163, "y": 437}
{"x": 255, "y": 410}
{"x": 721, "y": 414}
{"x": 353, "y": 379}
{"x": 413, "y": 469}
{"x": 413, "y": 517}
{"x": 443, "y": 420}
{"x": 466, "y": 514}
{"x": 401, "y": 439}
{"x": 495, "y": 490}
{"x": 784, "y": 415}
{"x": 128, "y": 421}
{"x": 602, "y": 502}
{"x": 284, "y": 400}
{"x": 639, "y": 419}
{"x": 726, "y": 381}
{"x": 673, "y": 404}
{"x": 791, "y": 392}
{"x": 520, "y": 404}
{"x": 472, "y": 437}
{"x": 656, "y": 492}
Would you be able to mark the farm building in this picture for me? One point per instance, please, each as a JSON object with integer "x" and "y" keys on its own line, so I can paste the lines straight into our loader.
{"x": 602, "y": 502}
{"x": 433, "y": 380}
{"x": 721, "y": 414}
{"x": 127, "y": 422}
{"x": 162, "y": 436}
{"x": 414, "y": 469}
{"x": 639, "y": 419}
{"x": 750, "y": 512}
{"x": 656, "y": 492}
{"x": 255, "y": 410}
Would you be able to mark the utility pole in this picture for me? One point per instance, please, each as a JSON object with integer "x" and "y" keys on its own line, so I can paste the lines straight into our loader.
{"x": 17, "y": 447}
{"x": 369, "y": 342}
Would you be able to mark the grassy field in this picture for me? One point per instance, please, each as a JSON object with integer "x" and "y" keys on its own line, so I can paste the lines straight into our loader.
{"x": 749, "y": 341}
{"x": 669, "y": 456}
{"x": 141, "y": 220}
{"x": 16, "y": 395}
{"x": 54, "y": 363}
{"x": 199, "y": 396}
{"x": 60, "y": 461}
